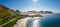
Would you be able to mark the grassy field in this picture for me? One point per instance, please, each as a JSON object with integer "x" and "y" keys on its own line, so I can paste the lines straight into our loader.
{"x": 11, "y": 24}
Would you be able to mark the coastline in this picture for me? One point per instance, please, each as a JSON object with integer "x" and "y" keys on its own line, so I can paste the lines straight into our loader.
{"x": 23, "y": 21}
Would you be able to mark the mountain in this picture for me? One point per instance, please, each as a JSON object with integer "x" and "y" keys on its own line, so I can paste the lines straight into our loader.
{"x": 45, "y": 12}
{"x": 5, "y": 14}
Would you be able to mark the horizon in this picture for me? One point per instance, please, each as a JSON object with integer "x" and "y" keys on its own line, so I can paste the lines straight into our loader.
{"x": 35, "y": 5}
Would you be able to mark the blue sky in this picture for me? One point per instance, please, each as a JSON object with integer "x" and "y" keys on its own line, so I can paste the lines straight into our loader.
{"x": 36, "y": 5}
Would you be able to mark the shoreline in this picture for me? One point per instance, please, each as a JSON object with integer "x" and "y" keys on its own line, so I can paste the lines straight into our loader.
{"x": 23, "y": 22}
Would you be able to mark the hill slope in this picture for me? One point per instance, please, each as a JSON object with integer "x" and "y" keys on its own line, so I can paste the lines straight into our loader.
{"x": 5, "y": 14}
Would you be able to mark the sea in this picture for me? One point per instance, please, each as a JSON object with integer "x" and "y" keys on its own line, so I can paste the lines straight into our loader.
{"x": 48, "y": 20}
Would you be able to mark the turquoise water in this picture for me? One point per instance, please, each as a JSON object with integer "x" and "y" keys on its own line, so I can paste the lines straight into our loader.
{"x": 52, "y": 20}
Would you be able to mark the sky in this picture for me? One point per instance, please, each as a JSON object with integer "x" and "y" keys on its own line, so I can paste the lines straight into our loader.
{"x": 35, "y": 5}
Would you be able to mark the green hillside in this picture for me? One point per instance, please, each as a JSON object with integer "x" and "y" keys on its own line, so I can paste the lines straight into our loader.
{"x": 5, "y": 14}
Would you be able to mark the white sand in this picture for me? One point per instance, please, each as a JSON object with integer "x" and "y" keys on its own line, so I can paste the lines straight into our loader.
{"x": 22, "y": 22}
